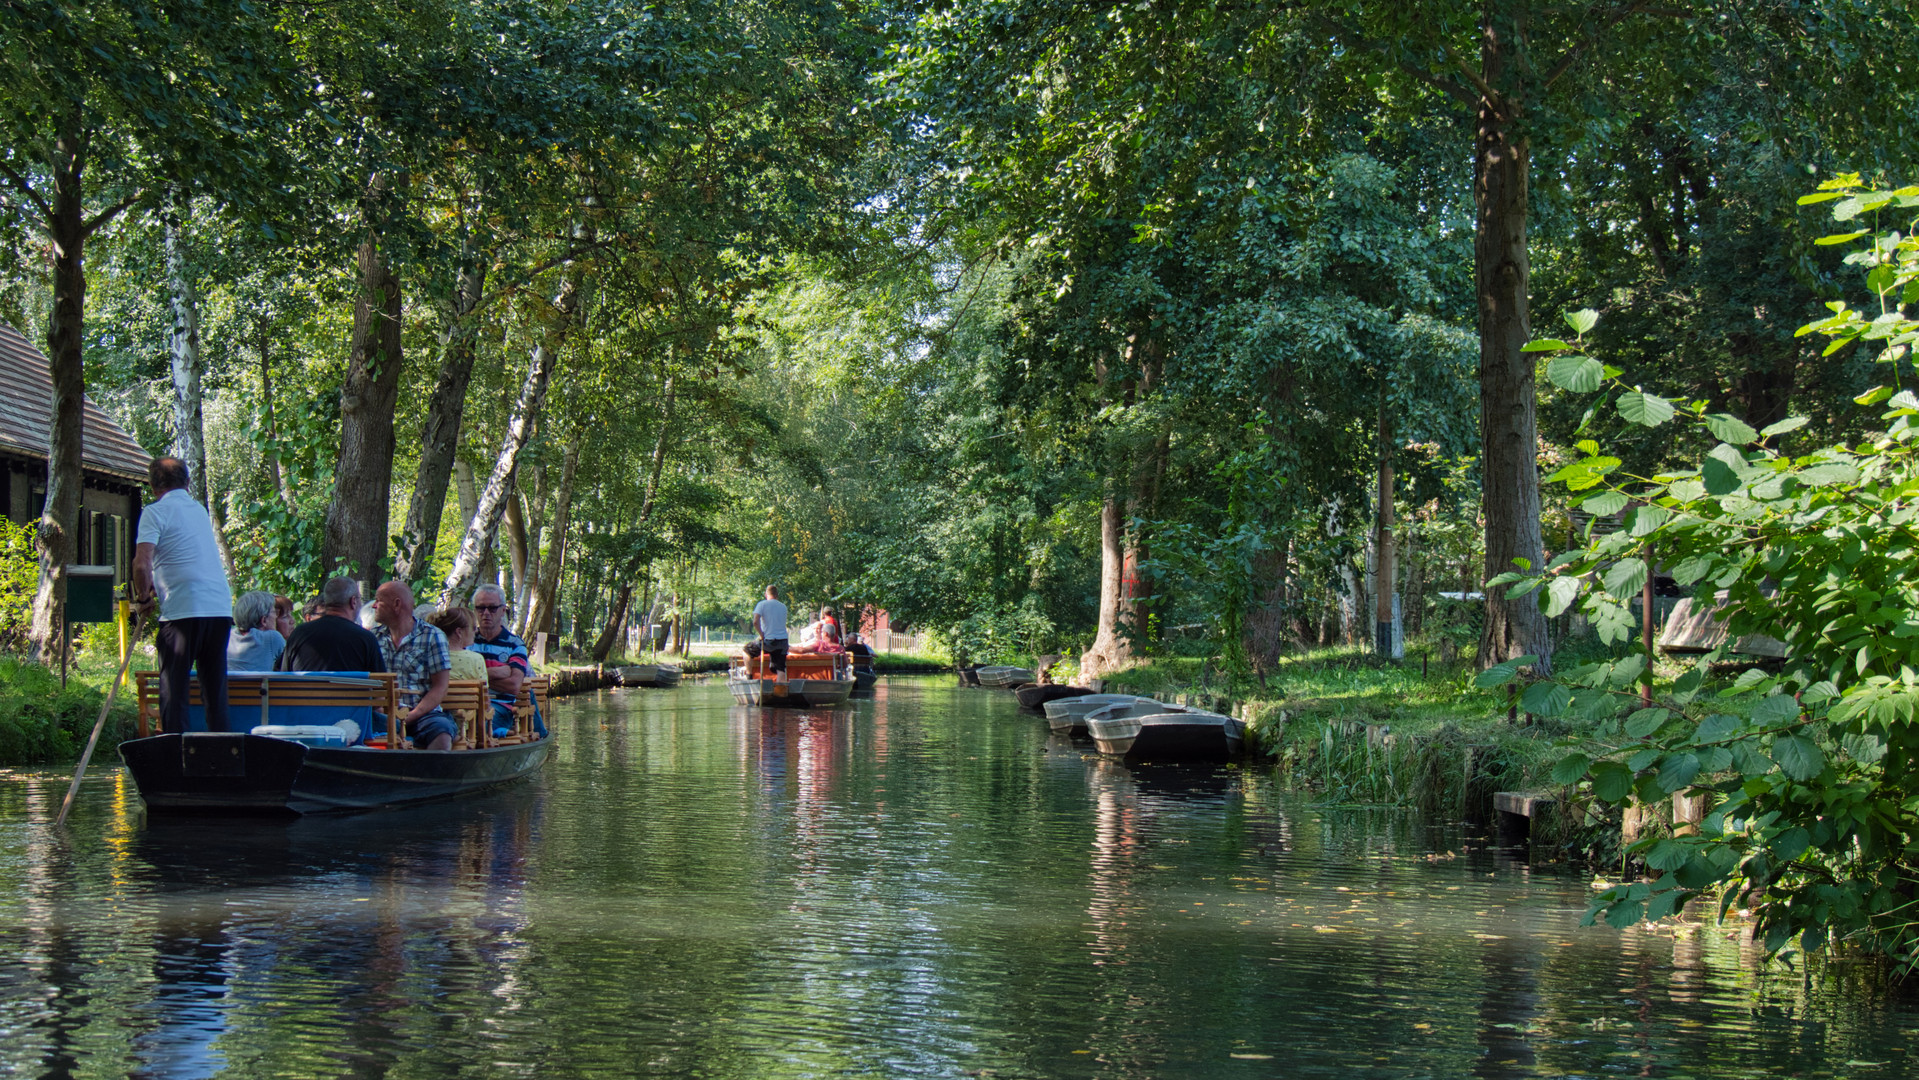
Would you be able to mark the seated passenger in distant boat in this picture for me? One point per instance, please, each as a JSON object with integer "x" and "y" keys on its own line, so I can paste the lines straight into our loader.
{"x": 821, "y": 637}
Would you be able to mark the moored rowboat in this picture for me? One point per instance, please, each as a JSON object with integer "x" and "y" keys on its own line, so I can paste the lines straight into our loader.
{"x": 1172, "y": 733}
{"x": 1037, "y": 695}
{"x": 1068, "y": 715}
{"x": 1004, "y": 678}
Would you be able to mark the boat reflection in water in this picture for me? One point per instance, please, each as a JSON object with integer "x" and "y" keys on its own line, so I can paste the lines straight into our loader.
{"x": 385, "y": 902}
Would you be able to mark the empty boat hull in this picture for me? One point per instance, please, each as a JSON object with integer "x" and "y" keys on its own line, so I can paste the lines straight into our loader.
{"x": 1187, "y": 736}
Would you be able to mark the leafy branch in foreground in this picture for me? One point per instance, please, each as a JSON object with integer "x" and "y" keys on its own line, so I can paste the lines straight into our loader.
{"x": 1808, "y": 772}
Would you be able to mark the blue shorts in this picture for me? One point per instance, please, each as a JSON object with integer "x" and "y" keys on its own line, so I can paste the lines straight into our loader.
{"x": 431, "y": 726}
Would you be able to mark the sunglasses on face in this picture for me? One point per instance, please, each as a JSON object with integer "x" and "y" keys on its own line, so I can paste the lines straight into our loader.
{"x": 489, "y": 607}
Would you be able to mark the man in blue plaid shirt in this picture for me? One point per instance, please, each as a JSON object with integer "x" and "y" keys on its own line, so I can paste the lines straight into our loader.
{"x": 415, "y": 651}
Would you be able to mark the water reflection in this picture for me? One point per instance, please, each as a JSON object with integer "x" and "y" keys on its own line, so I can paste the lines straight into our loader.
{"x": 926, "y": 884}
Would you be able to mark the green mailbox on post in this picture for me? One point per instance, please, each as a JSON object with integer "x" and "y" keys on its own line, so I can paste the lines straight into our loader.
{"x": 89, "y": 594}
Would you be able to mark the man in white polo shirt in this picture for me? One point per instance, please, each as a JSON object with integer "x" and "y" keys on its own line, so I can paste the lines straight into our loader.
{"x": 176, "y": 561}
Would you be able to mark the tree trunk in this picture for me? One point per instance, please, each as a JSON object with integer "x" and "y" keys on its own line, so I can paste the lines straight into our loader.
{"x": 183, "y": 348}
{"x": 1386, "y": 568}
{"x": 469, "y": 501}
{"x": 1110, "y": 650}
{"x": 633, "y": 565}
{"x": 484, "y": 526}
{"x": 540, "y": 612}
{"x": 440, "y": 434}
{"x": 529, "y": 540}
{"x": 516, "y": 552}
{"x": 282, "y": 480}
{"x": 1509, "y": 459}
{"x": 615, "y": 619}
{"x": 66, "y": 357}
{"x": 356, "y": 520}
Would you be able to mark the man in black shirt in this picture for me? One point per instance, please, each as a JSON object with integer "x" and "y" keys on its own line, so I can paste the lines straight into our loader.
{"x": 334, "y": 641}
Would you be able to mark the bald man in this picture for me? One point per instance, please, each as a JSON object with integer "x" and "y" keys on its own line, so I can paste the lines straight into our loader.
{"x": 415, "y": 651}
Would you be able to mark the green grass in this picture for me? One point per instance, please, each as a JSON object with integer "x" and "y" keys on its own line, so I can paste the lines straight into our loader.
{"x": 1356, "y": 730}
{"x": 42, "y": 723}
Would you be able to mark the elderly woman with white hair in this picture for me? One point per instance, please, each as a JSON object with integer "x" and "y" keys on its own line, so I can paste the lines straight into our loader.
{"x": 254, "y": 644}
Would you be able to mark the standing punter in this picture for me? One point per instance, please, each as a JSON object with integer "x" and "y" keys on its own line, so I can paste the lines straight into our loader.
{"x": 177, "y": 562}
{"x": 769, "y": 624}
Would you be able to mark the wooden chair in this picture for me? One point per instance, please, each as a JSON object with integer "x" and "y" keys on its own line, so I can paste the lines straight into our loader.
{"x": 535, "y": 690}
{"x": 467, "y": 702}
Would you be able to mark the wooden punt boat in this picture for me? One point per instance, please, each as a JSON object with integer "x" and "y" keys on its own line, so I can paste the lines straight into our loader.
{"x": 811, "y": 682}
{"x": 658, "y": 676}
{"x": 969, "y": 675}
{"x": 1068, "y": 715}
{"x": 863, "y": 680}
{"x": 1036, "y": 695}
{"x": 1004, "y": 678}
{"x": 1143, "y": 732}
{"x": 286, "y": 753}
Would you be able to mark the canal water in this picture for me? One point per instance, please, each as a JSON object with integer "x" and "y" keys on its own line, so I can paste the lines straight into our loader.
{"x": 925, "y": 885}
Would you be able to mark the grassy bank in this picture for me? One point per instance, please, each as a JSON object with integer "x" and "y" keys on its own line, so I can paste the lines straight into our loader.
{"x": 1357, "y": 731}
{"x": 42, "y": 723}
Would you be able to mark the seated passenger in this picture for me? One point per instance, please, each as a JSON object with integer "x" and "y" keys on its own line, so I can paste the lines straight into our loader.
{"x": 253, "y": 644}
{"x": 417, "y": 653}
{"x": 821, "y": 637}
{"x": 457, "y": 624}
{"x": 859, "y": 650}
{"x": 507, "y": 664}
{"x": 331, "y": 640}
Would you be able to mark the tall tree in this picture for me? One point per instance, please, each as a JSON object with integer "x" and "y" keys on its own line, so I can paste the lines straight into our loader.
{"x": 104, "y": 101}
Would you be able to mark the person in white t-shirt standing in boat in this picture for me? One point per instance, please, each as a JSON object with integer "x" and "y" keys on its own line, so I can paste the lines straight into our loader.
{"x": 177, "y": 562}
{"x": 769, "y": 624}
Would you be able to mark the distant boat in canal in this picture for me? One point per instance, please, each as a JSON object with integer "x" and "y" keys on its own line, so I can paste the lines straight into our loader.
{"x": 287, "y": 753}
{"x": 1151, "y": 731}
{"x": 658, "y": 676}
{"x": 1004, "y": 678}
{"x": 1067, "y": 716}
{"x": 811, "y": 682}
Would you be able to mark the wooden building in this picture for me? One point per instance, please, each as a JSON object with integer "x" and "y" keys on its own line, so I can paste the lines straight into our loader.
{"x": 114, "y": 465}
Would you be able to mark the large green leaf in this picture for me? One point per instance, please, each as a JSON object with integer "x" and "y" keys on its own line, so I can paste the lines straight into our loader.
{"x": 1503, "y": 672}
{"x": 1775, "y": 710}
{"x": 1604, "y": 504}
{"x": 1545, "y": 698}
{"x": 1649, "y": 410}
{"x": 1798, "y": 757}
{"x": 1625, "y": 577}
{"x": 1560, "y": 593}
{"x": 1576, "y": 374}
{"x": 1719, "y": 477}
{"x": 1583, "y": 320}
{"x": 1570, "y": 769}
{"x": 1612, "y": 782}
{"x": 1730, "y": 429}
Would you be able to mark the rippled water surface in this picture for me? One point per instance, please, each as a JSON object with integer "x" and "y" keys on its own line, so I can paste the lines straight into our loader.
{"x": 922, "y": 885}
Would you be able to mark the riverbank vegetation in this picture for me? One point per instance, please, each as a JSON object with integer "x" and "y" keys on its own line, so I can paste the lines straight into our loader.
{"x": 1188, "y": 341}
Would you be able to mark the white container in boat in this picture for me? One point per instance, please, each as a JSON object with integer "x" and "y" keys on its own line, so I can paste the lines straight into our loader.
{"x": 309, "y": 734}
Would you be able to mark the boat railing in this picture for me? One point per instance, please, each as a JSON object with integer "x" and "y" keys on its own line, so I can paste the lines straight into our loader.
{"x": 282, "y": 698}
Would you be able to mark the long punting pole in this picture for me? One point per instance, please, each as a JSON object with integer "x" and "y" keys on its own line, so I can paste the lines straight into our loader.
{"x": 101, "y": 722}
